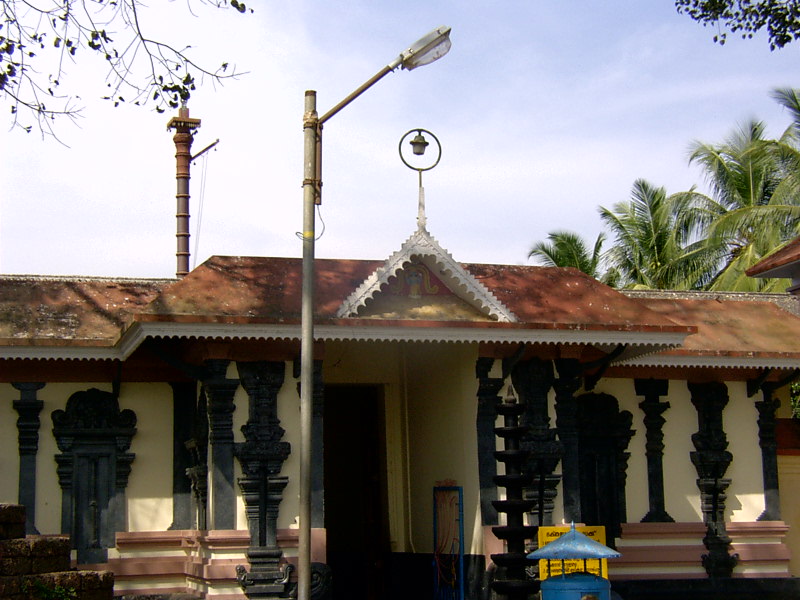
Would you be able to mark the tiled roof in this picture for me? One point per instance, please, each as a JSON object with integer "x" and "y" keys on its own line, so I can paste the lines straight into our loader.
{"x": 782, "y": 263}
{"x": 61, "y": 311}
{"x": 44, "y": 316}
{"x": 241, "y": 289}
{"x": 730, "y": 326}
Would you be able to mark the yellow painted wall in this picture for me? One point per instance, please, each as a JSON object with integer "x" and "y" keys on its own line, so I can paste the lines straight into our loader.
{"x": 289, "y": 415}
{"x": 745, "y": 496}
{"x": 9, "y": 446}
{"x": 240, "y": 416}
{"x": 682, "y": 497}
{"x": 442, "y": 408}
{"x": 740, "y": 419}
{"x": 48, "y": 492}
{"x": 149, "y": 491}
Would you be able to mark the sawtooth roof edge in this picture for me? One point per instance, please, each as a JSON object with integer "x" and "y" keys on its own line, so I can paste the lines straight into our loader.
{"x": 139, "y": 331}
{"x": 711, "y": 361}
{"x": 79, "y": 278}
{"x": 421, "y": 243}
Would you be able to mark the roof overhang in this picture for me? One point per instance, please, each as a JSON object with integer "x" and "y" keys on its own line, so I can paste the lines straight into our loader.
{"x": 712, "y": 361}
{"x": 638, "y": 342}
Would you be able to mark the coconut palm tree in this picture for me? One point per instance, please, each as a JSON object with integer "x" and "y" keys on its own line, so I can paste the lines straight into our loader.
{"x": 568, "y": 249}
{"x": 790, "y": 99}
{"x": 753, "y": 206}
{"x": 651, "y": 250}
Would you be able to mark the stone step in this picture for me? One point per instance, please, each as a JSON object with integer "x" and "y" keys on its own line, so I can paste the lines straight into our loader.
{"x": 33, "y": 555}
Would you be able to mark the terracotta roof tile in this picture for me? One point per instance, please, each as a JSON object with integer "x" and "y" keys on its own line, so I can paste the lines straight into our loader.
{"x": 270, "y": 289}
{"x": 730, "y": 326}
{"x": 36, "y": 310}
{"x": 59, "y": 311}
{"x": 565, "y": 295}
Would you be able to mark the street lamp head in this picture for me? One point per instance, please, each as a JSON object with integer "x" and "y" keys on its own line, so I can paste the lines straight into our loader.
{"x": 418, "y": 144}
{"x": 425, "y": 50}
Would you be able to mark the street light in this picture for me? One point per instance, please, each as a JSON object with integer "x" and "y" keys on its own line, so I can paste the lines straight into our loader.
{"x": 424, "y": 51}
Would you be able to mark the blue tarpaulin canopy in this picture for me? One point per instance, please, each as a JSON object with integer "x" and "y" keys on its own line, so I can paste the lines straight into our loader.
{"x": 573, "y": 545}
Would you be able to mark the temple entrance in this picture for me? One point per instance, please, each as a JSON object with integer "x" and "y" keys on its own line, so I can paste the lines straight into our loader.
{"x": 355, "y": 491}
{"x": 604, "y": 433}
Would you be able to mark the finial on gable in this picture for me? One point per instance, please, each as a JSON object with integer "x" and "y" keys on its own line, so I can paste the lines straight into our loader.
{"x": 418, "y": 146}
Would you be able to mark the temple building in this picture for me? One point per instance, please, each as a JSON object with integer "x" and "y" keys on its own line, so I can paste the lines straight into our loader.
{"x": 157, "y": 423}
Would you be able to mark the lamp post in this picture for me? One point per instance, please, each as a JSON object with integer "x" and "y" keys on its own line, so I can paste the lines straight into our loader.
{"x": 424, "y": 51}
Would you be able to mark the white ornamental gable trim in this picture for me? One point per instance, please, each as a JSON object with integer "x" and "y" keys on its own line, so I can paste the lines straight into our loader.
{"x": 422, "y": 246}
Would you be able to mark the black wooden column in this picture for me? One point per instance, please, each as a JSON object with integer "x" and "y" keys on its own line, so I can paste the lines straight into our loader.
{"x": 28, "y": 407}
{"x": 261, "y": 456}
{"x": 184, "y": 408}
{"x": 532, "y": 381}
{"x": 653, "y": 409}
{"x": 769, "y": 452}
{"x": 488, "y": 401}
{"x": 711, "y": 460}
{"x": 219, "y": 393}
{"x": 567, "y": 383}
{"x": 197, "y": 445}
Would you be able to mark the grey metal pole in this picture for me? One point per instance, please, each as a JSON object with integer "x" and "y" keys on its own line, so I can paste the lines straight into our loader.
{"x": 310, "y": 183}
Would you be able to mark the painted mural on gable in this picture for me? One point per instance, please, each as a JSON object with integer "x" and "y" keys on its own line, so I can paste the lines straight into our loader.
{"x": 417, "y": 293}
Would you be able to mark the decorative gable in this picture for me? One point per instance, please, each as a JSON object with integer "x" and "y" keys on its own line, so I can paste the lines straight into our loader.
{"x": 423, "y": 281}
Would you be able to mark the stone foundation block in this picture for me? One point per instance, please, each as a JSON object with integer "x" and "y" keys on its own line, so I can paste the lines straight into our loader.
{"x": 35, "y": 554}
{"x": 85, "y": 585}
{"x": 12, "y": 521}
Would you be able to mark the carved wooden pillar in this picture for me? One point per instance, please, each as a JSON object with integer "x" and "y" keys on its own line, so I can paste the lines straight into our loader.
{"x": 604, "y": 435}
{"x": 711, "y": 460}
{"x": 219, "y": 393}
{"x": 28, "y": 407}
{"x": 488, "y": 401}
{"x": 653, "y": 409}
{"x": 93, "y": 435}
{"x": 261, "y": 456}
{"x": 532, "y": 381}
{"x": 567, "y": 383}
{"x": 197, "y": 471}
{"x": 184, "y": 409}
{"x": 769, "y": 452}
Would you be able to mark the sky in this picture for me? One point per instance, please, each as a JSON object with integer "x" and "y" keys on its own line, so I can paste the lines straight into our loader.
{"x": 545, "y": 111}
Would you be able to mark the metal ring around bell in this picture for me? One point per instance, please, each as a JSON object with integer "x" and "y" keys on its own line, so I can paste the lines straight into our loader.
{"x": 438, "y": 145}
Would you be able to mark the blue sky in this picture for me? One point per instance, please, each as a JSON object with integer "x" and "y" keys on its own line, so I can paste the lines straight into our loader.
{"x": 545, "y": 111}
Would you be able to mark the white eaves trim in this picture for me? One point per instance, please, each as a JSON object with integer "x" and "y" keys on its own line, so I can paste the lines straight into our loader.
{"x": 136, "y": 334}
{"x": 717, "y": 362}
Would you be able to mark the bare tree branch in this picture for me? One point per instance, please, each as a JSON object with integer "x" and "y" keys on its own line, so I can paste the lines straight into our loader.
{"x": 39, "y": 38}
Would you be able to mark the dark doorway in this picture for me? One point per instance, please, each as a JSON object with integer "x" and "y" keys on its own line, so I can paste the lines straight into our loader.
{"x": 604, "y": 435}
{"x": 355, "y": 496}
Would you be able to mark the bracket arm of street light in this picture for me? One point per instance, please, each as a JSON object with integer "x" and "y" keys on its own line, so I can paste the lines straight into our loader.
{"x": 424, "y": 51}
{"x": 355, "y": 94}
